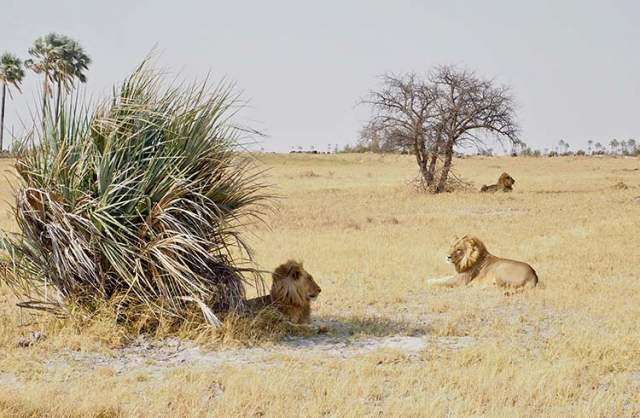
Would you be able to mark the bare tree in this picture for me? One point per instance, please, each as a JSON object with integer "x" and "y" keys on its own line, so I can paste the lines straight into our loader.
{"x": 377, "y": 137}
{"x": 405, "y": 106}
{"x": 450, "y": 109}
{"x": 469, "y": 108}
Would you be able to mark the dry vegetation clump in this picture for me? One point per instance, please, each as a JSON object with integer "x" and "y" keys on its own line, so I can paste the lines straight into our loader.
{"x": 620, "y": 186}
{"x": 137, "y": 201}
{"x": 309, "y": 173}
{"x": 269, "y": 325}
{"x": 453, "y": 183}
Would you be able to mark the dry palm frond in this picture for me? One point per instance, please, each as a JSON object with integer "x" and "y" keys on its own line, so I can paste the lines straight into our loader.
{"x": 142, "y": 197}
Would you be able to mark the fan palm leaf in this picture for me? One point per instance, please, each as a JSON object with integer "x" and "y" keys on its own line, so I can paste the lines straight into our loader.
{"x": 143, "y": 196}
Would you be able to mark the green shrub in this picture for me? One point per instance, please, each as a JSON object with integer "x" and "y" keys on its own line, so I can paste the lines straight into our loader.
{"x": 140, "y": 198}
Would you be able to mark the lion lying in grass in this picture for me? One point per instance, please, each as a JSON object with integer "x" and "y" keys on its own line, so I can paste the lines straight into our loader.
{"x": 505, "y": 184}
{"x": 292, "y": 292}
{"x": 475, "y": 265}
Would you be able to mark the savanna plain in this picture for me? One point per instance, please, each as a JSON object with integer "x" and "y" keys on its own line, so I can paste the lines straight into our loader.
{"x": 392, "y": 346}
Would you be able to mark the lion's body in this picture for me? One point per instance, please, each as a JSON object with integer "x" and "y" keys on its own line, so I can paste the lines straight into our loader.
{"x": 505, "y": 184}
{"x": 502, "y": 272}
{"x": 294, "y": 313}
{"x": 476, "y": 266}
{"x": 492, "y": 188}
{"x": 292, "y": 291}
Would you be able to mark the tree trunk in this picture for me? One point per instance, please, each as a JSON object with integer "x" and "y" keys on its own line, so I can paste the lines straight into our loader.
{"x": 422, "y": 158}
{"x": 58, "y": 101}
{"x": 422, "y": 163}
{"x": 4, "y": 93}
{"x": 44, "y": 104}
{"x": 432, "y": 163}
{"x": 445, "y": 168}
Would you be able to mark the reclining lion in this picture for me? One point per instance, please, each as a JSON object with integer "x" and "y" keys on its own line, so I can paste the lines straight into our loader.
{"x": 292, "y": 291}
{"x": 475, "y": 265}
{"x": 505, "y": 184}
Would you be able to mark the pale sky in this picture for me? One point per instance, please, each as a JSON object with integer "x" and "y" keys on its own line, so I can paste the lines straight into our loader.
{"x": 574, "y": 66}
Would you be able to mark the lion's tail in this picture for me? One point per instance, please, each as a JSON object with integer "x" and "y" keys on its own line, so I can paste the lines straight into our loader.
{"x": 484, "y": 188}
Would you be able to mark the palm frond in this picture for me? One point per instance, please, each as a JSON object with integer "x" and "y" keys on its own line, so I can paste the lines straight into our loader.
{"x": 143, "y": 195}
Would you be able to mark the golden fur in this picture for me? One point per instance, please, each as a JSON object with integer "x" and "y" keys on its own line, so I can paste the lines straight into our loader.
{"x": 292, "y": 291}
{"x": 475, "y": 265}
{"x": 505, "y": 184}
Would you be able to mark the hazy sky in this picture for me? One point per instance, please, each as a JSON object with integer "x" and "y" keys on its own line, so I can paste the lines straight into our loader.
{"x": 574, "y": 66}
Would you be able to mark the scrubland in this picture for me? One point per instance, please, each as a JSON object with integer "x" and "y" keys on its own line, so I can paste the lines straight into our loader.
{"x": 394, "y": 347}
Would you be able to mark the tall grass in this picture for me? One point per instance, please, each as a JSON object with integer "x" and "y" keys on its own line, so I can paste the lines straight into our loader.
{"x": 140, "y": 198}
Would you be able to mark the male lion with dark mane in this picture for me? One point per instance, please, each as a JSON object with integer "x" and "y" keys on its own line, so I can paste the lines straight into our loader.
{"x": 505, "y": 184}
{"x": 292, "y": 291}
{"x": 475, "y": 265}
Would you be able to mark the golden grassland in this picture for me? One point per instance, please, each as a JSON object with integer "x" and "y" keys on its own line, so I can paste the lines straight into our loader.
{"x": 571, "y": 347}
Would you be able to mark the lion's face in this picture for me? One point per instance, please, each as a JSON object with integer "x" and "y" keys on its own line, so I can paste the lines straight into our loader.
{"x": 293, "y": 285}
{"x": 465, "y": 253}
{"x": 506, "y": 180}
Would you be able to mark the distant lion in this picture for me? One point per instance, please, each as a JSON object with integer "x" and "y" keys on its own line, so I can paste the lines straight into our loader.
{"x": 292, "y": 291}
{"x": 505, "y": 184}
{"x": 475, "y": 265}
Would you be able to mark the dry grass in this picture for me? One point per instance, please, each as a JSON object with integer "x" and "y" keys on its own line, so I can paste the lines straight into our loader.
{"x": 568, "y": 348}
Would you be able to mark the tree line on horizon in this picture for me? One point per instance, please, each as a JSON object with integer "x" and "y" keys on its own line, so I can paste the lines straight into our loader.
{"x": 382, "y": 143}
{"x": 630, "y": 147}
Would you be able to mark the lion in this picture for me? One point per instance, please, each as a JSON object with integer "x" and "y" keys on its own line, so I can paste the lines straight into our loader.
{"x": 292, "y": 291}
{"x": 505, "y": 184}
{"x": 475, "y": 265}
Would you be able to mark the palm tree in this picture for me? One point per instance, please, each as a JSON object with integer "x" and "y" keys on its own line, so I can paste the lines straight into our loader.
{"x": 613, "y": 144}
{"x": 60, "y": 60}
{"x": 631, "y": 143}
{"x": 73, "y": 65}
{"x": 45, "y": 51}
{"x": 623, "y": 147}
{"x": 562, "y": 144}
{"x": 590, "y": 144}
{"x": 11, "y": 74}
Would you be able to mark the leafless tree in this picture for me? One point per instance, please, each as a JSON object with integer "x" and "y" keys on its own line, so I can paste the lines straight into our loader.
{"x": 405, "y": 105}
{"x": 449, "y": 110}
{"x": 377, "y": 137}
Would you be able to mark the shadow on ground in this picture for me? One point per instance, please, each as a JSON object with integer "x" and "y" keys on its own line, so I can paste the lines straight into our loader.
{"x": 352, "y": 326}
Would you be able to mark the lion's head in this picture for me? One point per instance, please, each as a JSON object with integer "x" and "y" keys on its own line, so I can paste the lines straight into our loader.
{"x": 506, "y": 181}
{"x": 292, "y": 285}
{"x": 466, "y": 252}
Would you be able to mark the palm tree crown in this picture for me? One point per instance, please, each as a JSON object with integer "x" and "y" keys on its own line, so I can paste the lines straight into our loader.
{"x": 59, "y": 58}
{"x": 613, "y": 144}
{"x": 11, "y": 71}
{"x": 11, "y": 74}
